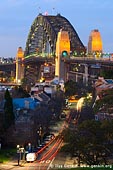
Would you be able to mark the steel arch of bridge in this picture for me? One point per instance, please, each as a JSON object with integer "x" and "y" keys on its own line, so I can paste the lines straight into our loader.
{"x": 43, "y": 35}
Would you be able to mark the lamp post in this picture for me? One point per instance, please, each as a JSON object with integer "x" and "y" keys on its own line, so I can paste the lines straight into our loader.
{"x": 29, "y": 147}
{"x": 18, "y": 152}
{"x": 39, "y": 132}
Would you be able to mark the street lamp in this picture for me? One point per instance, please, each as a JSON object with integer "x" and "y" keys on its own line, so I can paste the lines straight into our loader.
{"x": 29, "y": 147}
{"x": 39, "y": 132}
{"x": 18, "y": 152}
{"x": 79, "y": 104}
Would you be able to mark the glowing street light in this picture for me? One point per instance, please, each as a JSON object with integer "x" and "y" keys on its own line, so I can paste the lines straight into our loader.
{"x": 79, "y": 104}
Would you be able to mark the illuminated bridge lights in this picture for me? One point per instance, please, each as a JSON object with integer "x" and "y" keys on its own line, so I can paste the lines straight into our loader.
{"x": 64, "y": 53}
{"x": 44, "y": 31}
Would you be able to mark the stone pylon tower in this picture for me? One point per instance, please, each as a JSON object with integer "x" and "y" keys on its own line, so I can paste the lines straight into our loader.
{"x": 19, "y": 65}
{"x": 95, "y": 42}
{"x": 62, "y": 52}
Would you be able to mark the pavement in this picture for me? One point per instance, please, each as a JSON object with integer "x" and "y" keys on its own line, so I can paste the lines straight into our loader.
{"x": 11, "y": 164}
{"x": 60, "y": 160}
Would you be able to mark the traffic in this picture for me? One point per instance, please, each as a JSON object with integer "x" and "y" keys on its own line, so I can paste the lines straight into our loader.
{"x": 44, "y": 155}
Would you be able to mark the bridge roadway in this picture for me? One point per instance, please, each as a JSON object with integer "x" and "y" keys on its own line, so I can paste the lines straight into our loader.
{"x": 7, "y": 67}
{"x": 70, "y": 60}
{"x": 35, "y": 61}
{"x": 89, "y": 61}
{"x": 76, "y": 68}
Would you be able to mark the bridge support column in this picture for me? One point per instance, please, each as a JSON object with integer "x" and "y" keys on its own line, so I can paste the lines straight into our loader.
{"x": 76, "y": 78}
{"x": 19, "y": 72}
{"x": 19, "y": 66}
{"x": 62, "y": 52}
{"x": 59, "y": 68}
{"x": 85, "y": 75}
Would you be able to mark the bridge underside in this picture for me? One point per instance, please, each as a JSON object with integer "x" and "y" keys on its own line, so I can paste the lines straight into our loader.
{"x": 33, "y": 68}
{"x": 32, "y": 72}
{"x": 43, "y": 35}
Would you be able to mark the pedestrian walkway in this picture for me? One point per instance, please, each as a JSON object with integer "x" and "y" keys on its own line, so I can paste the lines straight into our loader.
{"x": 11, "y": 165}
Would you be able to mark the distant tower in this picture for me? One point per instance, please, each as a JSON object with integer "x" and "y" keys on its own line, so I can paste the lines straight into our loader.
{"x": 62, "y": 51}
{"x": 95, "y": 42}
{"x": 19, "y": 65}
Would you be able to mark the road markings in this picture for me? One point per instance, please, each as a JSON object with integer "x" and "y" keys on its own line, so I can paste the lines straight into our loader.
{"x": 45, "y": 161}
{"x": 50, "y": 165}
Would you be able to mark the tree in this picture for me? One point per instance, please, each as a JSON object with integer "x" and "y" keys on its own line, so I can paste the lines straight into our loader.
{"x": 89, "y": 143}
{"x": 58, "y": 103}
{"x": 105, "y": 103}
{"x": 70, "y": 88}
{"x": 79, "y": 88}
{"x": 107, "y": 127}
{"x": 19, "y": 92}
{"x": 107, "y": 74}
{"x": 9, "y": 117}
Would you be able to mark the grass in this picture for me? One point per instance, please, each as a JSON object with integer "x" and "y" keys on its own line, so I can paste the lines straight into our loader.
{"x": 6, "y": 154}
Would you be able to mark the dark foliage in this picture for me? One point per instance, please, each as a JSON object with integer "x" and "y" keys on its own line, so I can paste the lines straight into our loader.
{"x": 9, "y": 117}
{"x": 91, "y": 143}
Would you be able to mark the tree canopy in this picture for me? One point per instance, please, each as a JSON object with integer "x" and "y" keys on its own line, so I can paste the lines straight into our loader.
{"x": 70, "y": 88}
{"x": 9, "y": 117}
{"x": 76, "y": 88}
{"x": 107, "y": 74}
{"x": 91, "y": 143}
{"x": 105, "y": 104}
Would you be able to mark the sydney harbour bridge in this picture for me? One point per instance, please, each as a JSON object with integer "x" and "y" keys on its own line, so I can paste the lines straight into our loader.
{"x": 41, "y": 43}
{"x": 43, "y": 35}
{"x": 41, "y": 49}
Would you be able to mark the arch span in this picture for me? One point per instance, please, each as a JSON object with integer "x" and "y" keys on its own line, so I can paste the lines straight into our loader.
{"x": 43, "y": 35}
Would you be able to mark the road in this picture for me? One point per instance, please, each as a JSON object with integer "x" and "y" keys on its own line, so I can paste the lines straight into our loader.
{"x": 48, "y": 157}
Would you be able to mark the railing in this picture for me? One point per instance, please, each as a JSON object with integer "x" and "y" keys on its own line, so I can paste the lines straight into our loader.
{"x": 51, "y": 56}
{"x": 92, "y": 58}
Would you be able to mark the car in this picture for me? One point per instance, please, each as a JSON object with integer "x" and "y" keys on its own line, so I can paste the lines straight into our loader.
{"x": 47, "y": 140}
{"x": 31, "y": 157}
{"x": 39, "y": 147}
{"x": 43, "y": 144}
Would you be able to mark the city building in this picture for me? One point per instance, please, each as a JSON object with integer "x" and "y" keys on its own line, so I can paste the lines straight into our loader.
{"x": 103, "y": 84}
{"x": 101, "y": 87}
{"x": 25, "y": 103}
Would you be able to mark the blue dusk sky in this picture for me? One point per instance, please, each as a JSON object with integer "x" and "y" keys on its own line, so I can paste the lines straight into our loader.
{"x": 17, "y": 16}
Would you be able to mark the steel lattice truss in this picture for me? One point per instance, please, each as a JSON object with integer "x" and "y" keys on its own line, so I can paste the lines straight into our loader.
{"x": 43, "y": 35}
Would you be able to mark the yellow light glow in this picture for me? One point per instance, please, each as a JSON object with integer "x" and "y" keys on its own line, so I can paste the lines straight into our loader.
{"x": 20, "y": 53}
{"x": 63, "y": 42}
{"x": 95, "y": 42}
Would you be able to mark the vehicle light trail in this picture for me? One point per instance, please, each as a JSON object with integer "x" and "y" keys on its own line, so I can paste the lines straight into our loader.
{"x": 48, "y": 154}
{"x": 79, "y": 104}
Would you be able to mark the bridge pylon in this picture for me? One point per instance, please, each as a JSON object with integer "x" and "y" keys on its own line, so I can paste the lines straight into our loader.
{"x": 19, "y": 65}
{"x": 62, "y": 52}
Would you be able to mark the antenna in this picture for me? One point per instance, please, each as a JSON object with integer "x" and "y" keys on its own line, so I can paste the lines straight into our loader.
{"x": 39, "y": 9}
{"x": 53, "y": 10}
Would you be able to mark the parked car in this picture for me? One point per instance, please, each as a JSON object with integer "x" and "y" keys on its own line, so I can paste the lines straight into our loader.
{"x": 31, "y": 157}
